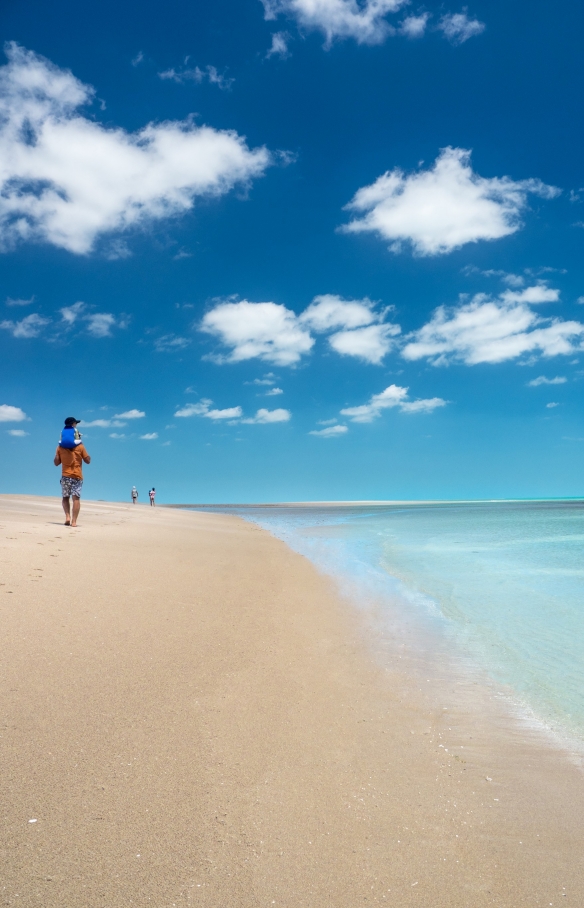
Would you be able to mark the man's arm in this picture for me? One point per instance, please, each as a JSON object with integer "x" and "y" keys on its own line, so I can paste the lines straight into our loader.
{"x": 85, "y": 455}
{"x": 57, "y": 459}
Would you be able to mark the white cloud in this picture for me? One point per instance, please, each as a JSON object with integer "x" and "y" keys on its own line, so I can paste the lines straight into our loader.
{"x": 266, "y": 331}
{"x": 194, "y": 409}
{"x": 170, "y": 342}
{"x": 279, "y": 46}
{"x": 365, "y": 22}
{"x": 138, "y": 58}
{"x": 370, "y": 344}
{"x": 331, "y": 432}
{"x": 268, "y": 379}
{"x": 227, "y": 413}
{"x": 542, "y": 380}
{"x": 208, "y": 73}
{"x": 66, "y": 179}
{"x": 275, "y": 334}
{"x": 423, "y": 406}
{"x": 130, "y": 414}
{"x": 11, "y": 414}
{"x": 539, "y": 293}
{"x": 30, "y": 326}
{"x": 458, "y": 28}
{"x": 18, "y": 433}
{"x": 150, "y": 436}
{"x": 264, "y": 416}
{"x": 70, "y": 314}
{"x": 441, "y": 209}
{"x": 117, "y": 435}
{"x": 273, "y": 392}
{"x": 19, "y": 302}
{"x": 552, "y": 405}
{"x": 100, "y": 324}
{"x": 488, "y": 330}
{"x": 203, "y": 409}
{"x": 329, "y": 311}
{"x": 392, "y": 396}
{"x": 103, "y": 423}
{"x": 414, "y": 26}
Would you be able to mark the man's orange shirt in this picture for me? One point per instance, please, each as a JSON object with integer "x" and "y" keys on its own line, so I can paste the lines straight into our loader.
{"x": 70, "y": 460}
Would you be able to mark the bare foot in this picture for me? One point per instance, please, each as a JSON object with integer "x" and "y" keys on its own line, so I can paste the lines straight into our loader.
{"x": 72, "y": 524}
{"x": 67, "y": 523}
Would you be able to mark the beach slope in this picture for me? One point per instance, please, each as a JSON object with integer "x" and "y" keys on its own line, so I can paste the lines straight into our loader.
{"x": 190, "y": 715}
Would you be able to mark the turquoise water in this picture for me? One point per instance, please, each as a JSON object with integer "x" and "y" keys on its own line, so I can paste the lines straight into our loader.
{"x": 502, "y": 581}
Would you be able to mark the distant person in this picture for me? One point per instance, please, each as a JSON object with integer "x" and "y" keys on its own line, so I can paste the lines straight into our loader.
{"x": 70, "y": 434}
{"x": 134, "y": 494}
{"x": 152, "y": 494}
{"x": 71, "y": 461}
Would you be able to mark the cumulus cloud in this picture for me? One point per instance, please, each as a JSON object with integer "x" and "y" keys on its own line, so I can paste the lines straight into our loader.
{"x": 264, "y": 416}
{"x": 365, "y": 22}
{"x": 30, "y": 326}
{"x": 492, "y": 330}
{"x": 542, "y": 380}
{"x": 330, "y": 432}
{"x": 414, "y": 26}
{"x": 392, "y": 396}
{"x": 130, "y": 414}
{"x": 279, "y": 46}
{"x": 11, "y": 414}
{"x": 273, "y": 392}
{"x": 266, "y": 331}
{"x": 100, "y": 324}
{"x": 552, "y": 404}
{"x": 370, "y": 344}
{"x": 150, "y": 436}
{"x": 275, "y": 334}
{"x": 18, "y": 433}
{"x": 458, "y": 27}
{"x": 67, "y": 180}
{"x": 443, "y": 208}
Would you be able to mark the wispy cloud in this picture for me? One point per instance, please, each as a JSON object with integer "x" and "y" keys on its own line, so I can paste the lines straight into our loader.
{"x": 208, "y": 74}
{"x": 264, "y": 417}
{"x": 97, "y": 324}
{"x": 414, "y": 26}
{"x": 17, "y": 433}
{"x": 443, "y": 208}
{"x": 171, "y": 342}
{"x": 130, "y": 414}
{"x": 279, "y": 47}
{"x": 542, "y": 380}
{"x": 30, "y": 326}
{"x": 331, "y": 432}
{"x": 392, "y": 396}
{"x": 459, "y": 27}
{"x": 274, "y": 392}
{"x": 150, "y": 436}
{"x": 20, "y": 302}
{"x": 68, "y": 180}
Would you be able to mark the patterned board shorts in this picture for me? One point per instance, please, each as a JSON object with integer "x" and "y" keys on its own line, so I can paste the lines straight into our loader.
{"x": 71, "y": 486}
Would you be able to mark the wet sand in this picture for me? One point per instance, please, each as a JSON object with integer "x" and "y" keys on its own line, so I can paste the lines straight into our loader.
{"x": 190, "y": 714}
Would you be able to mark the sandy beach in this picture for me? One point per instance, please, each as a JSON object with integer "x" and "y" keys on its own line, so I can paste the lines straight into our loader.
{"x": 191, "y": 714}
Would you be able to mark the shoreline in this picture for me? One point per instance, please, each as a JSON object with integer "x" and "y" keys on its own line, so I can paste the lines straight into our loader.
{"x": 208, "y": 697}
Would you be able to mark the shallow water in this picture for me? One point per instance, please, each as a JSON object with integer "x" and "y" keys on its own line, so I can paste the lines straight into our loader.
{"x": 502, "y": 583}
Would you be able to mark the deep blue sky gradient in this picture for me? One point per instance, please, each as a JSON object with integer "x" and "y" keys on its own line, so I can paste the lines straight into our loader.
{"x": 512, "y": 95}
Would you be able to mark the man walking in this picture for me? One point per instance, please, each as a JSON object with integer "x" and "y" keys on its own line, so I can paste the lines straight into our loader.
{"x": 152, "y": 494}
{"x": 71, "y": 461}
{"x": 134, "y": 494}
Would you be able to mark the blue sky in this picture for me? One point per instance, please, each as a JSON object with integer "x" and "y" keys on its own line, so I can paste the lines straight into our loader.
{"x": 293, "y": 249}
